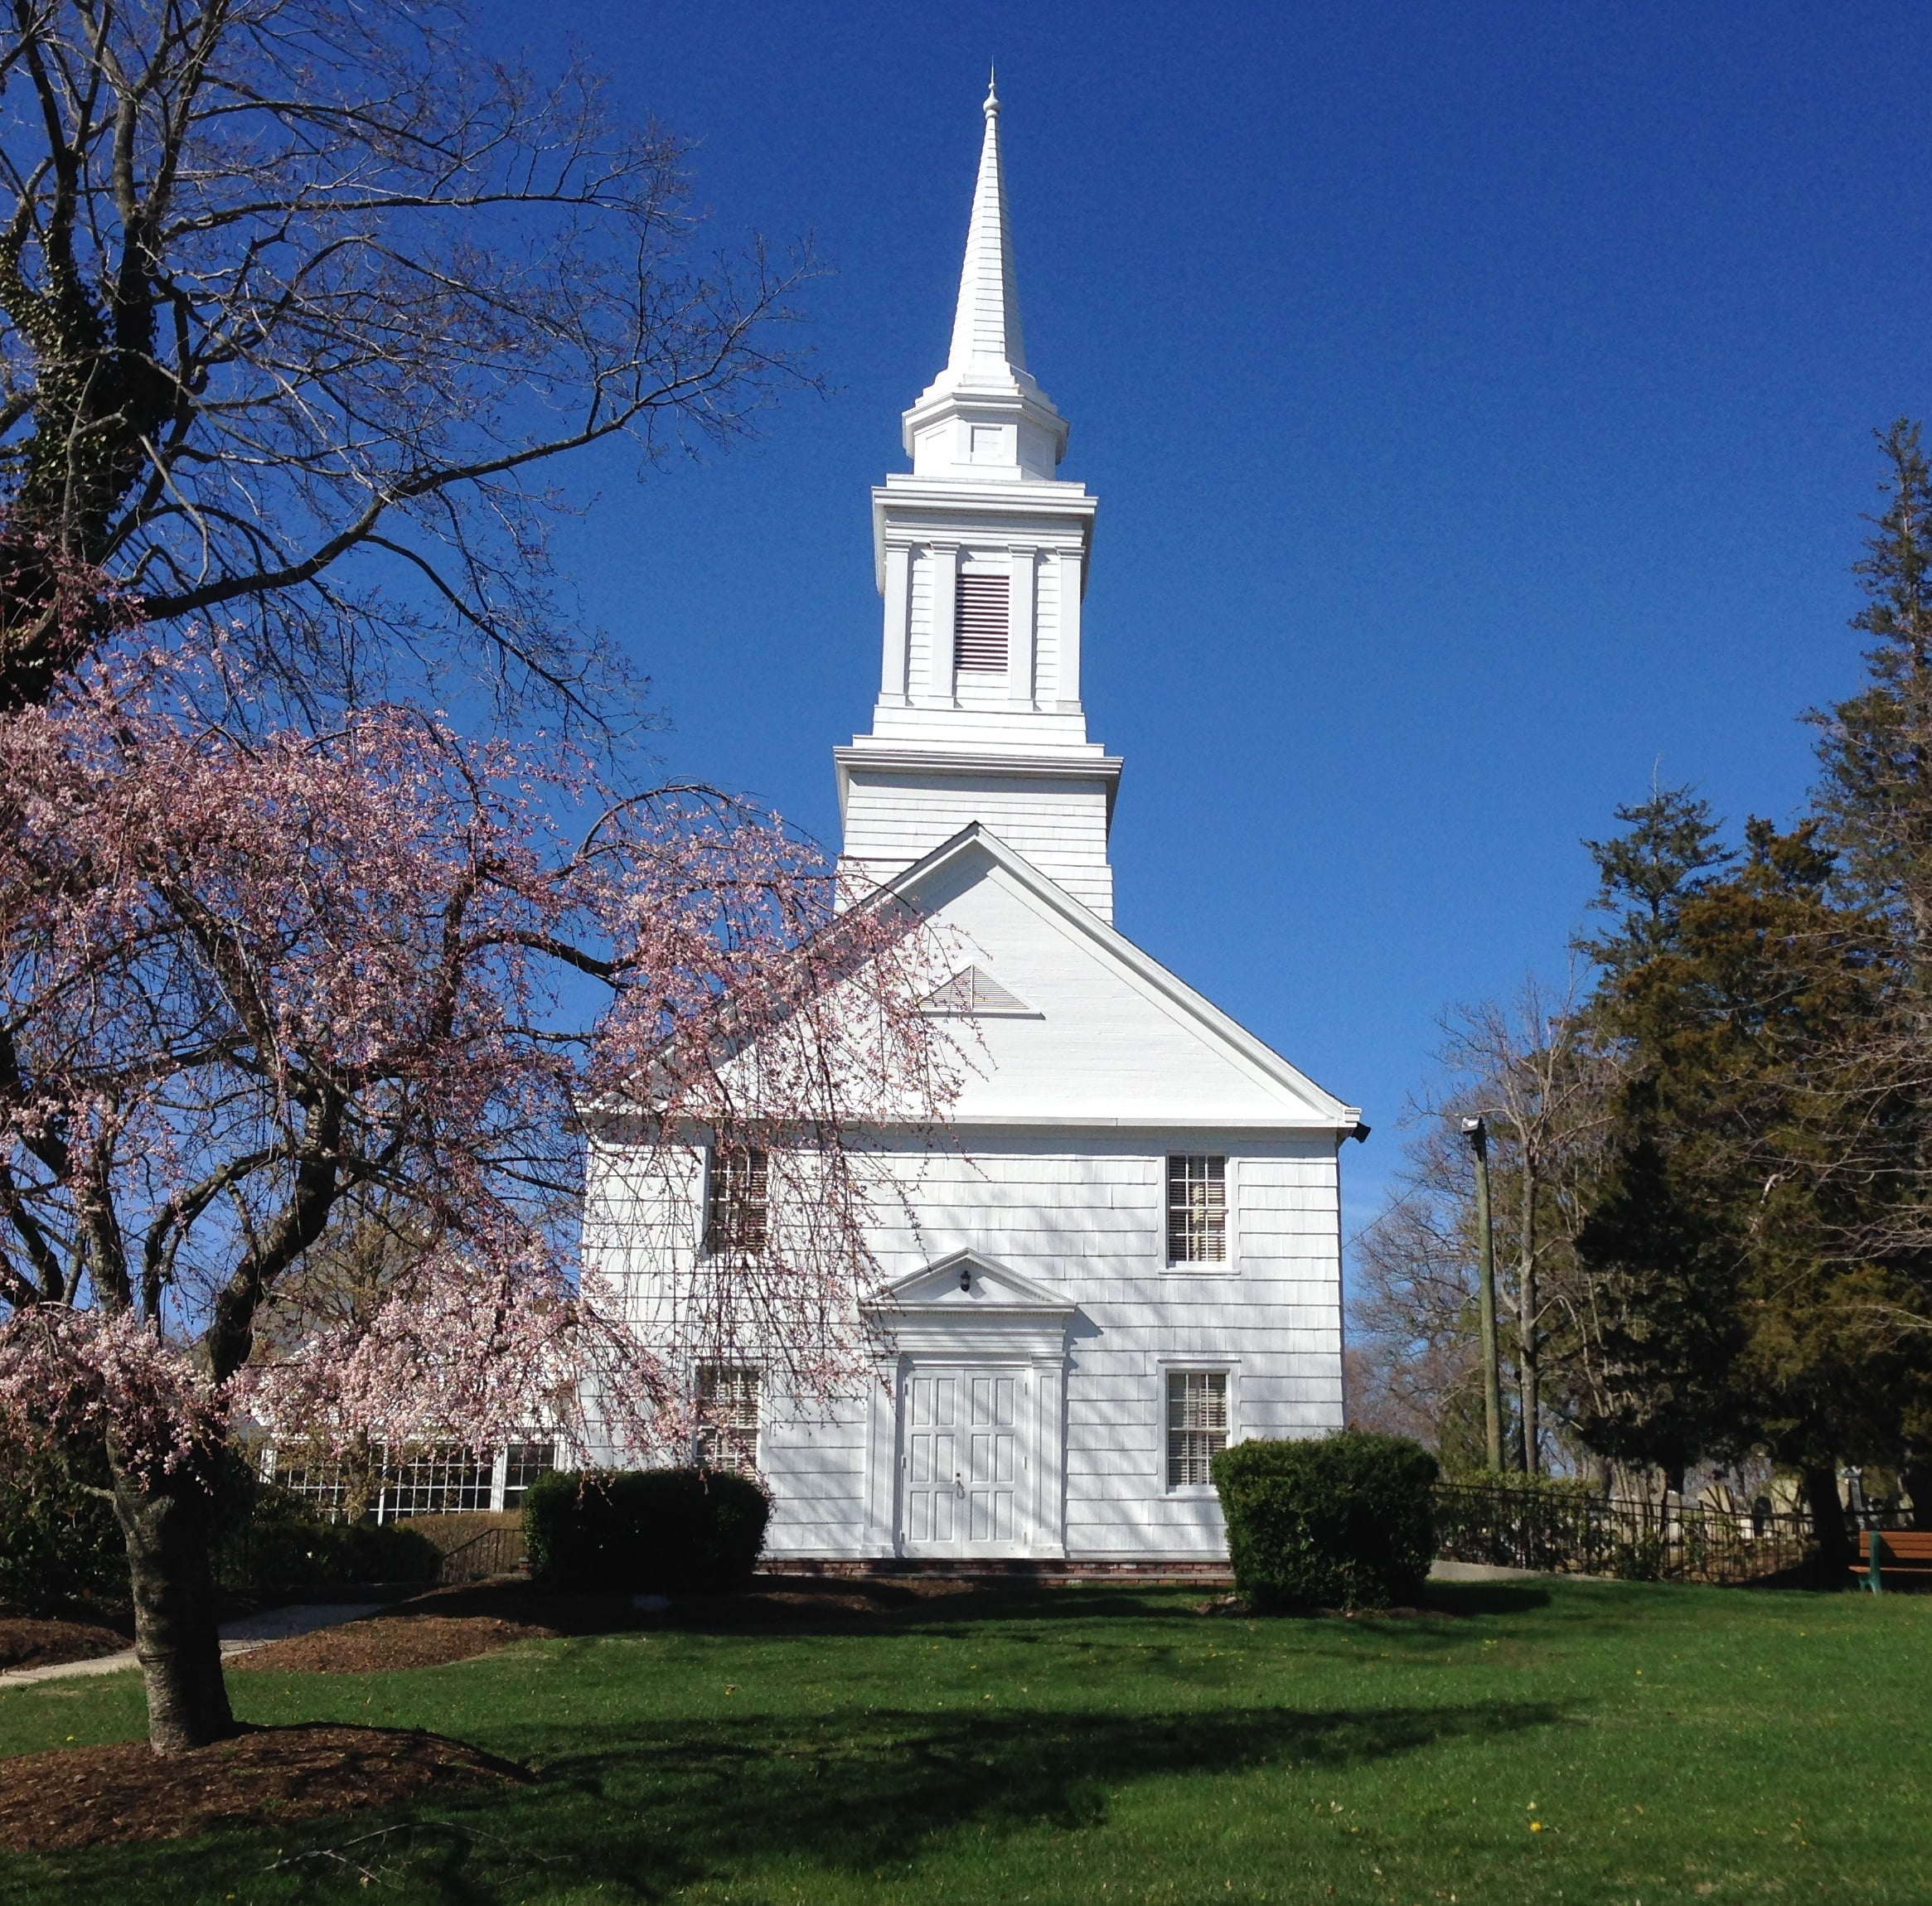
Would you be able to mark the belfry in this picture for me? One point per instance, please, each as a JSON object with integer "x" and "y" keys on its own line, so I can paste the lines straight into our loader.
{"x": 981, "y": 554}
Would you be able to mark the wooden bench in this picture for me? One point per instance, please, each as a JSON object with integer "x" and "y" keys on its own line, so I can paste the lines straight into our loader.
{"x": 1906, "y": 1552}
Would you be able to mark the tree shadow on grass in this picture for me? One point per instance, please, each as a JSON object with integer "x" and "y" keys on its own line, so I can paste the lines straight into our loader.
{"x": 838, "y": 1798}
{"x": 635, "y": 1818}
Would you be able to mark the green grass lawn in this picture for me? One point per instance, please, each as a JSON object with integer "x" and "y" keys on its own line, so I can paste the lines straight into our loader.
{"x": 1087, "y": 1744}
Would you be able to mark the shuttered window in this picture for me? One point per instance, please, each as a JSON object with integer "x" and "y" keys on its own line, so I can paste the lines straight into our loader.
{"x": 736, "y": 1207}
{"x": 1197, "y": 1425}
{"x": 727, "y": 1418}
{"x": 1197, "y": 1208}
{"x": 979, "y": 626}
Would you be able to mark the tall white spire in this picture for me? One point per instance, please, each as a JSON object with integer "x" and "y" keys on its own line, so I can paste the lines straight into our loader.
{"x": 984, "y": 412}
{"x": 987, "y": 334}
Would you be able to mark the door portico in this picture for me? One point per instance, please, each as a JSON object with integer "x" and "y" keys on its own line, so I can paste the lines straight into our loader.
{"x": 967, "y": 1433}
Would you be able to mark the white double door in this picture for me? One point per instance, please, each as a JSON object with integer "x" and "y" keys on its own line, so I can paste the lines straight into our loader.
{"x": 965, "y": 1462}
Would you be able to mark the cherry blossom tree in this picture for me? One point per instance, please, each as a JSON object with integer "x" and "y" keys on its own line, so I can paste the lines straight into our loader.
{"x": 256, "y": 981}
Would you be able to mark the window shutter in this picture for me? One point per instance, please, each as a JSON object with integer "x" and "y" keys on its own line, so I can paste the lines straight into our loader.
{"x": 979, "y": 626}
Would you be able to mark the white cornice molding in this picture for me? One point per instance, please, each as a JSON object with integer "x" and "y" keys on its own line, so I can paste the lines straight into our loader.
{"x": 1063, "y": 764}
{"x": 915, "y": 510}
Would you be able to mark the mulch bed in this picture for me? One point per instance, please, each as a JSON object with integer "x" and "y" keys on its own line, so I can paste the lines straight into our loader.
{"x": 26, "y": 1642}
{"x": 108, "y": 1796}
{"x": 384, "y": 1643}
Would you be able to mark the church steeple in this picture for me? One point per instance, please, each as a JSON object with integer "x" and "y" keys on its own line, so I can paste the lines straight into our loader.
{"x": 985, "y": 327}
{"x": 983, "y": 411}
{"x": 981, "y": 556}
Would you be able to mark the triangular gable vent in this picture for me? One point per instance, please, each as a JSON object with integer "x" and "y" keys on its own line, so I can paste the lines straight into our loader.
{"x": 971, "y": 993}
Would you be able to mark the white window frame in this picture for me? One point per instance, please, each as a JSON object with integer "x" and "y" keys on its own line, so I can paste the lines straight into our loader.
{"x": 710, "y": 1246}
{"x": 1167, "y": 1367}
{"x": 700, "y": 1434}
{"x": 1228, "y": 1265}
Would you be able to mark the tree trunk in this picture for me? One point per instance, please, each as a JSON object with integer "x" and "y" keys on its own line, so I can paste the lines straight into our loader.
{"x": 169, "y": 1529}
{"x": 1527, "y": 1350}
{"x": 1828, "y": 1522}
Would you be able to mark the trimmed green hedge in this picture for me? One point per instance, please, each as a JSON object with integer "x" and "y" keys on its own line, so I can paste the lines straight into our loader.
{"x": 284, "y": 1545}
{"x": 664, "y": 1531}
{"x": 60, "y": 1546}
{"x": 59, "y": 1543}
{"x": 1335, "y": 1521}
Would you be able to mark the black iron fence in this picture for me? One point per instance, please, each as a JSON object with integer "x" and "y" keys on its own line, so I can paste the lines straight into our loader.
{"x": 472, "y": 1548}
{"x": 1570, "y": 1533}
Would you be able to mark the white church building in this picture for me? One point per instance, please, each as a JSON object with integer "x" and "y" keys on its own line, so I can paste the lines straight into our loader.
{"x": 1129, "y": 1253}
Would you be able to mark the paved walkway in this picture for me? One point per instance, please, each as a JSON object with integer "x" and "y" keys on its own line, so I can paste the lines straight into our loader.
{"x": 237, "y": 1638}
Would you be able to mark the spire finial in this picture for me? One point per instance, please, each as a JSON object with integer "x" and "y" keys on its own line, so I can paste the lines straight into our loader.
{"x": 986, "y": 329}
{"x": 992, "y": 100}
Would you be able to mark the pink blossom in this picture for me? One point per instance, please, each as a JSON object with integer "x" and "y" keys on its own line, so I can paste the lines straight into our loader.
{"x": 255, "y": 979}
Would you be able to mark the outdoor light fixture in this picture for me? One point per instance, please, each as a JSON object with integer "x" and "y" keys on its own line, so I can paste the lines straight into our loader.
{"x": 966, "y": 1281}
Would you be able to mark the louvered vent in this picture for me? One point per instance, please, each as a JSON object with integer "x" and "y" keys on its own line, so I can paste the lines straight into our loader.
{"x": 978, "y": 629}
{"x": 971, "y": 993}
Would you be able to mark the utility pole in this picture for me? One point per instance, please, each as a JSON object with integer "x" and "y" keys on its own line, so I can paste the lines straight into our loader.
{"x": 1478, "y": 1135}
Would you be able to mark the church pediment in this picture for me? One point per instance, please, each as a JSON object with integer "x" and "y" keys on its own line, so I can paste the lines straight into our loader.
{"x": 1113, "y": 1036}
{"x": 968, "y": 1282}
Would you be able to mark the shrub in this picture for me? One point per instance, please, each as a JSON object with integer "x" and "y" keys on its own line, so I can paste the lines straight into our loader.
{"x": 1342, "y": 1521}
{"x": 283, "y": 1544}
{"x": 59, "y": 1541}
{"x": 665, "y": 1531}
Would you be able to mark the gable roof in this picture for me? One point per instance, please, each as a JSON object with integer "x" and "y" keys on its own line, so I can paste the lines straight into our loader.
{"x": 975, "y": 848}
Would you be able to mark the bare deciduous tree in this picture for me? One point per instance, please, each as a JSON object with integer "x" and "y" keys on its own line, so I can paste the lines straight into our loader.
{"x": 299, "y": 303}
{"x": 1541, "y": 1086}
{"x": 1528, "y": 1068}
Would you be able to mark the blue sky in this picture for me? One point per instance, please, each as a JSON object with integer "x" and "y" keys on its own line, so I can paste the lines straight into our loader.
{"x": 1479, "y": 399}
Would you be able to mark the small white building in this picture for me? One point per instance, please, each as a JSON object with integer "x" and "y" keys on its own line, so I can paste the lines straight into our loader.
{"x": 1131, "y": 1254}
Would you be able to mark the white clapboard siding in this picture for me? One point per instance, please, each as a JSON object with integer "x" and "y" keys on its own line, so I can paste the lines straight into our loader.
{"x": 1085, "y": 1215}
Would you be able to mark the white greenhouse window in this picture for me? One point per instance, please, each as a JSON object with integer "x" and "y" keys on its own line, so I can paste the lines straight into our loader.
{"x": 1197, "y": 1425}
{"x": 727, "y": 1418}
{"x": 1197, "y": 1208}
{"x": 978, "y": 627}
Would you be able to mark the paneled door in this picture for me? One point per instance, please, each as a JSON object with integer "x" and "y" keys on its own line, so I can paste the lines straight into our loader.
{"x": 963, "y": 1461}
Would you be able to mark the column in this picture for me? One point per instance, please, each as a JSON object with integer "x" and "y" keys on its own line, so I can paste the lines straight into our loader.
{"x": 898, "y": 625}
{"x": 1020, "y": 623}
{"x": 1068, "y": 566}
{"x": 943, "y": 686}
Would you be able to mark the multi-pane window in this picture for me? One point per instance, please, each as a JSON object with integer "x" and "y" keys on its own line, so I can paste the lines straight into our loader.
{"x": 320, "y": 1482}
{"x": 979, "y": 622}
{"x": 1197, "y": 1425}
{"x": 737, "y": 1203}
{"x": 414, "y": 1479}
{"x": 523, "y": 1463}
{"x": 727, "y": 1418}
{"x": 1197, "y": 1208}
{"x": 446, "y": 1479}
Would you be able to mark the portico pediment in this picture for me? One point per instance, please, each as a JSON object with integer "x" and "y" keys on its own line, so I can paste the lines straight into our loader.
{"x": 968, "y": 1282}
{"x": 966, "y": 1305}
